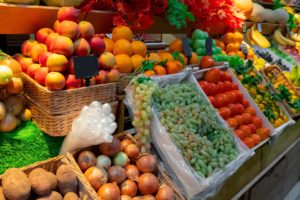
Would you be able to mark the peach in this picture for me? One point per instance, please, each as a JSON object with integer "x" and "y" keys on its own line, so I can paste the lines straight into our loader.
{"x": 107, "y": 60}
{"x": 27, "y": 46}
{"x": 43, "y": 58}
{"x": 97, "y": 45}
{"x": 92, "y": 82}
{"x": 113, "y": 75}
{"x": 62, "y": 45}
{"x": 37, "y": 50}
{"x": 68, "y": 13}
{"x": 57, "y": 63}
{"x": 69, "y": 29}
{"x": 102, "y": 77}
{"x": 82, "y": 47}
{"x": 40, "y": 75}
{"x": 55, "y": 25}
{"x": 72, "y": 82}
{"x": 18, "y": 57}
{"x": 25, "y": 63}
{"x": 49, "y": 39}
{"x": 42, "y": 34}
{"x": 55, "y": 81}
{"x": 86, "y": 30}
{"x": 32, "y": 69}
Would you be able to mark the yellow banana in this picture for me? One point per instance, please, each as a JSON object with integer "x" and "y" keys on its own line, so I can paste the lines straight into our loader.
{"x": 248, "y": 36}
{"x": 294, "y": 36}
{"x": 259, "y": 39}
{"x": 278, "y": 39}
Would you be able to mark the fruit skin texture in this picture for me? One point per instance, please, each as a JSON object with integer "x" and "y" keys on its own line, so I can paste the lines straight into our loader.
{"x": 37, "y": 50}
{"x": 62, "y": 45}
{"x": 122, "y": 46}
{"x": 159, "y": 70}
{"x": 49, "y": 39}
{"x": 109, "y": 44}
{"x": 172, "y": 67}
{"x": 27, "y": 46}
{"x": 122, "y": 32}
{"x": 67, "y": 13}
{"x": 107, "y": 60}
{"x": 82, "y": 47}
{"x": 176, "y": 45}
{"x": 150, "y": 73}
{"x": 55, "y": 25}
{"x": 86, "y": 30}
{"x": 25, "y": 63}
{"x": 55, "y": 81}
{"x": 137, "y": 61}
{"x": 69, "y": 29}
{"x": 97, "y": 45}
{"x": 206, "y": 62}
{"x": 32, "y": 69}
{"x": 72, "y": 82}
{"x": 102, "y": 77}
{"x": 113, "y": 75}
{"x": 153, "y": 57}
{"x": 15, "y": 86}
{"x": 43, "y": 58}
{"x": 123, "y": 63}
{"x": 42, "y": 34}
{"x": 212, "y": 76}
{"x": 40, "y": 75}
{"x": 13, "y": 65}
{"x": 139, "y": 48}
{"x": 57, "y": 63}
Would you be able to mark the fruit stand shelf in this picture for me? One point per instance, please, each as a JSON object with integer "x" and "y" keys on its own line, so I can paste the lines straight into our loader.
{"x": 24, "y": 19}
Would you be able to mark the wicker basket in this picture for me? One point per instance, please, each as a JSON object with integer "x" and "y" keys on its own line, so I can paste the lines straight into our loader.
{"x": 3, "y": 93}
{"x": 123, "y": 82}
{"x": 56, "y": 125}
{"x": 85, "y": 190}
{"x": 162, "y": 175}
{"x": 66, "y": 101}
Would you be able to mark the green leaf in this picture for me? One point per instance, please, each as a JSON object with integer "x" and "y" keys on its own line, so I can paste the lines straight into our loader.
{"x": 147, "y": 65}
{"x": 277, "y": 4}
{"x": 176, "y": 55}
{"x": 295, "y": 104}
{"x": 163, "y": 63}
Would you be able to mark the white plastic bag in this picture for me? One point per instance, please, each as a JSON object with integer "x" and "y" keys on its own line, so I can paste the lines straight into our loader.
{"x": 94, "y": 125}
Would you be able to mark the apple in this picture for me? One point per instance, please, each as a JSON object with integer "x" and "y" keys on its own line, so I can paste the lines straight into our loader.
{"x": 37, "y": 50}
{"x": 72, "y": 82}
{"x": 86, "y": 30}
{"x": 68, "y": 13}
{"x": 55, "y": 81}
{"x": 69, "y": 29}
{"x": 32, "y": 69}
{"x": 25, "y": 63}
{"x": 49, "y": 39}
{"x": 102, "y": 77}
{"x": 40, "y": 75}
{"x": 107, "y": 60}
{"x": 62, "y": 45}
{"x": 27, "y": 46}
{"x": 113, "y": 75}
{"x": 43, "y": 58}
{"x": 42, "y": 34}
{"x": 97, "y": 45}
{"x": 18, "y": 57}
{"x": 57, "y": 63}
{"x": 82, "y": 47}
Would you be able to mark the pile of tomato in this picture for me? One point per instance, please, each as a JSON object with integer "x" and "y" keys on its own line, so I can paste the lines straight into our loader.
{"x": 225, "y": 96}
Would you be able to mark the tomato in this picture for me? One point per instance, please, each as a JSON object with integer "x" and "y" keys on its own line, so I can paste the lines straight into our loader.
{"x": 221, "y": 100}
{"x": 239, "y": 108}
{"x": 256, "y": 138}
{"x": 251, "y": 111}
{"x": 233, "y": 109}
{"x": 213, "y": 89}
{"x": 203, "y": 85}
{"x": 227, "y": 76}
{"x": 257, "y": 122}
{"x": 240, "y": 134}
{"x": 239, "y": 119}
{"x": 249, "y": 142}
{"x": 221, "y": 87}
{"x": 245, "y": 103}
{"x": 227, "y": 85}
{"x": 234, "y": 86}
{"x": 253, "y": 128}
{"x": 232, "y": 123}
{"x": 239, "y": 96}
{"x": 246, "y": 130}
{"x": 225, "y": 112}
{"x": 212, "y": 75}
{"x": 231, "y": 96}
{"x": 222, "y": 76}
{"x": 206, "y": 62}
{"x": 264, "y": 133}
{"x": 247, "y": 118}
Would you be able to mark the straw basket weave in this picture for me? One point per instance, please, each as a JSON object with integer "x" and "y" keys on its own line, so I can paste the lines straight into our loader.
{"x": 123, "y": 82}
{"x": 51, "y": 165}
{"x": 66, "y": 101}
{"x": 56, "y": 125}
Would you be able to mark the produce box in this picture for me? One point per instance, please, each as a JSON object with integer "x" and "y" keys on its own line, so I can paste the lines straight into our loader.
{"x": 56, "y": 125}
{"x": 198, "y": 150}
{"x": 66, "y": 101}
{"x": 51, "y": 165}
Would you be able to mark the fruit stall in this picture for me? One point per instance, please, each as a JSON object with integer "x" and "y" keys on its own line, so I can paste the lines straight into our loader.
{"x": 92, "y": 107}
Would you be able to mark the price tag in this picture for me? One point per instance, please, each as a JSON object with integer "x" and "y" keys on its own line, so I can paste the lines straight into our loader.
{"x": 186, "y": 48}
{"x": 208, "y": 46}
{"x": 259, "y": 28}
{"x": 244, "y": 28}
{"x": 85, "y": 67}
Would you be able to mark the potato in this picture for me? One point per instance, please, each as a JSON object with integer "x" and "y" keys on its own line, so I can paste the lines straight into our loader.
{"x": 1, "y": 194}
{"x": 16, "y": 184}
{"x": 53, "y": 180}
{"x": 66, "y": 179}
{"x": 40, "y": 181}
{"x": 52, "y": 196}
{"x": 71, "y": 196}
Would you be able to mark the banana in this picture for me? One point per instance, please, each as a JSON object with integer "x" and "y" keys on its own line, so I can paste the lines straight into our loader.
{"x": 248, "y": 36}
{"x": 259, "y": 39}
{"x": 294, "y": 36}
{"x": 278, "y": 35}
{"x": 278, "y": 39}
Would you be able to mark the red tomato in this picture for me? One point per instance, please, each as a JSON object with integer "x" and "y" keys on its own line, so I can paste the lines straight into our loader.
{"x": 219, "y": 100}
{"x": 212, "y": 100}
{"x": 251, "y": 111}
{"x": 225, "y": 112}
{"x": 239, "y": 119}
{"x": 246, "y": 130}
{"x": 227, "y": 85}
{"x": 240, "y": 134}
{"x": 264, "y": 133}
{"x": 239, "y": 96}
{"x": 221, "y": 87}
{"x": 222, "y": 76}
{"x": 232, "y": 122}
{"x": 249, "y": 142}
{"x": 233, "y": 109}
{"x": 212, "y": 75}
{"x": 239, "y": 108}
{"x": 227, "y": 77}
{"x": 247, "y": 118}
{"x": 213, "y": 89}
{"x": 206, "y": 62}
{"x": 234, "y": 86}
{"x": 231, "y": 96}
{"x": 256, "y": 138}
{"x": 245, "y": 103}
{"x": 203, "y": 85}
{"x": 253, "y": 128}
{"x": 257, "y": 122}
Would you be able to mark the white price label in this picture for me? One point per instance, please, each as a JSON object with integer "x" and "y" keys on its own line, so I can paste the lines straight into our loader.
{"x": 259, "y": 28}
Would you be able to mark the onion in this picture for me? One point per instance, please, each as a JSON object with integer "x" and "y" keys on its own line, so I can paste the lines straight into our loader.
{"x": 147, "y": 163}
{"x": 9, "y": 123}
{"x": 13, "y": 105}
{"x": 148, "y": 184}
{"x": 148, "y": 197}
{"x": 132, "y": 172}
{"x": 129, "y": 188}
{"x": 126, "y": 197}
{"x": 116, "y": 174}
{"x": 132, "y": 151}
{"x": 85, "y": 160}
{"x": 96, "y": 177}
{"x": 121, "y": 159}
{"x": 165, "y": 193}
{"x": 125, "y": 143}
{"x": 109, "y": 191}
{"x": 103, "y": 161}
{"x": 110, "y": 148}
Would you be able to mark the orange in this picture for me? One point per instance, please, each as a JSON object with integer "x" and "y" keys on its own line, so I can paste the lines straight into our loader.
{"x": 241, "y": 54}
{"x": 122, "y": 32}
{"x": 220, "y": 44}
{"x": 228, "y": 38}
{"x": 173, "y": 67}
{"x": 137, "y": 61}
{"x": 122, "y": 47}
{"x": 238, "y": 37}
{"x": 153, "y": 57}
{"x": 109, "y": 44}
{"x": 249, "y": 142}
{"x": 231, "y": 54}
{"x": 149, "y": 73}
{"x": 185, "y": 60}
{"x": 176, "y": 45}
{"x": 224, "y": 52}
{"x": 232, "y": 47}
{"x": 139, "y": 48}
{"x": 194, "y": 59}
{"x": 159, "y": 70}
{"x": 166, "y": 56}
{"x": 123, "y": 63}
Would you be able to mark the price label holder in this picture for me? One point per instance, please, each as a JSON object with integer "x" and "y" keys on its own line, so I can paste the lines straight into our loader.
{"x": 85, "y": 67}
{"x": 244, "y": 28}
{"x": 208, "y": 46}
{"x": 259, "y": 28}
{"x": 186, "y": 48}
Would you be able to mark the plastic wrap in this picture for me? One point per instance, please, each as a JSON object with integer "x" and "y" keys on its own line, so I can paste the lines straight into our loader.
{"x": 94, "y": 125}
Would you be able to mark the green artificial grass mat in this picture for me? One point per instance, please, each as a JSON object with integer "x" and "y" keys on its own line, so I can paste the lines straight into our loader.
{"x": 26, "y": 145}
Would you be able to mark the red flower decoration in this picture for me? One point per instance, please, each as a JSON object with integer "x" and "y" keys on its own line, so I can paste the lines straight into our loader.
{"x": 159, "y": 6}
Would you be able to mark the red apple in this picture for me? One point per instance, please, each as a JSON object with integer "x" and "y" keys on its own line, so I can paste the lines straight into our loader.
{"x": 27, "y": 46}
{"x": 32, "y": 69}
{"x": 25, "y": 63}
{"x": 82, "y": 47}
{"x": 68, "y": 13}
{"x": 42, "y": 34}
{"x": 102, "y": 77}
{"x": 40, "y": 75}
{"x": 72, "y": 82}
{"x": 43, "y": 58}
{"x": 55, "y": 81}
{"x": 97, "y": 45}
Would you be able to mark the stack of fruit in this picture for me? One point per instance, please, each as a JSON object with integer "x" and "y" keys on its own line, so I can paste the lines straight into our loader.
{"x": 234, "y": 107}
{"x": 119, "y": 171}
{"x": 254, "y": 37}
{"x": 294, "y": 76}
{"x": 48, "y": 59}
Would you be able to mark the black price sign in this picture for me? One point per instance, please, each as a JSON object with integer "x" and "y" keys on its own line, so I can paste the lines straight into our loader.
{"x": 85, "y": 67}
{"x": 208, "y": 46}
{"x": 186, "y": 48}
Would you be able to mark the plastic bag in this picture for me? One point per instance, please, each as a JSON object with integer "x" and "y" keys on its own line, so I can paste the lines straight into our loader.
{"x": 184, "y": 176}
{"x": 94, "y": 125}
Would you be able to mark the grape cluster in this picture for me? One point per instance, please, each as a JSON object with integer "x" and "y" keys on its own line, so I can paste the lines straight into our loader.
{"x": 270, "y": 59}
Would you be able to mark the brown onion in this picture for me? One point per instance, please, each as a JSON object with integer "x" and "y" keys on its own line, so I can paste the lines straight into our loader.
{"x": 110, "y": 148}
{"x": 96, "y": 177}
{"x": 116, "y": 174}
{"x": 132, "y": 172}
{"x": 147, "y": 163}
{"x": 126, "y": 197}
{"x": 132, "y": 151}
{"x": 109, "y": 191}
{"x": 129, "y": 188}
{"x": 86, "y": 159}
{"x": 148, "y": 197}
{"x": 125, "y": 143}
{"x": 148, "y": 184}
{"x": 165, "y": 193}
